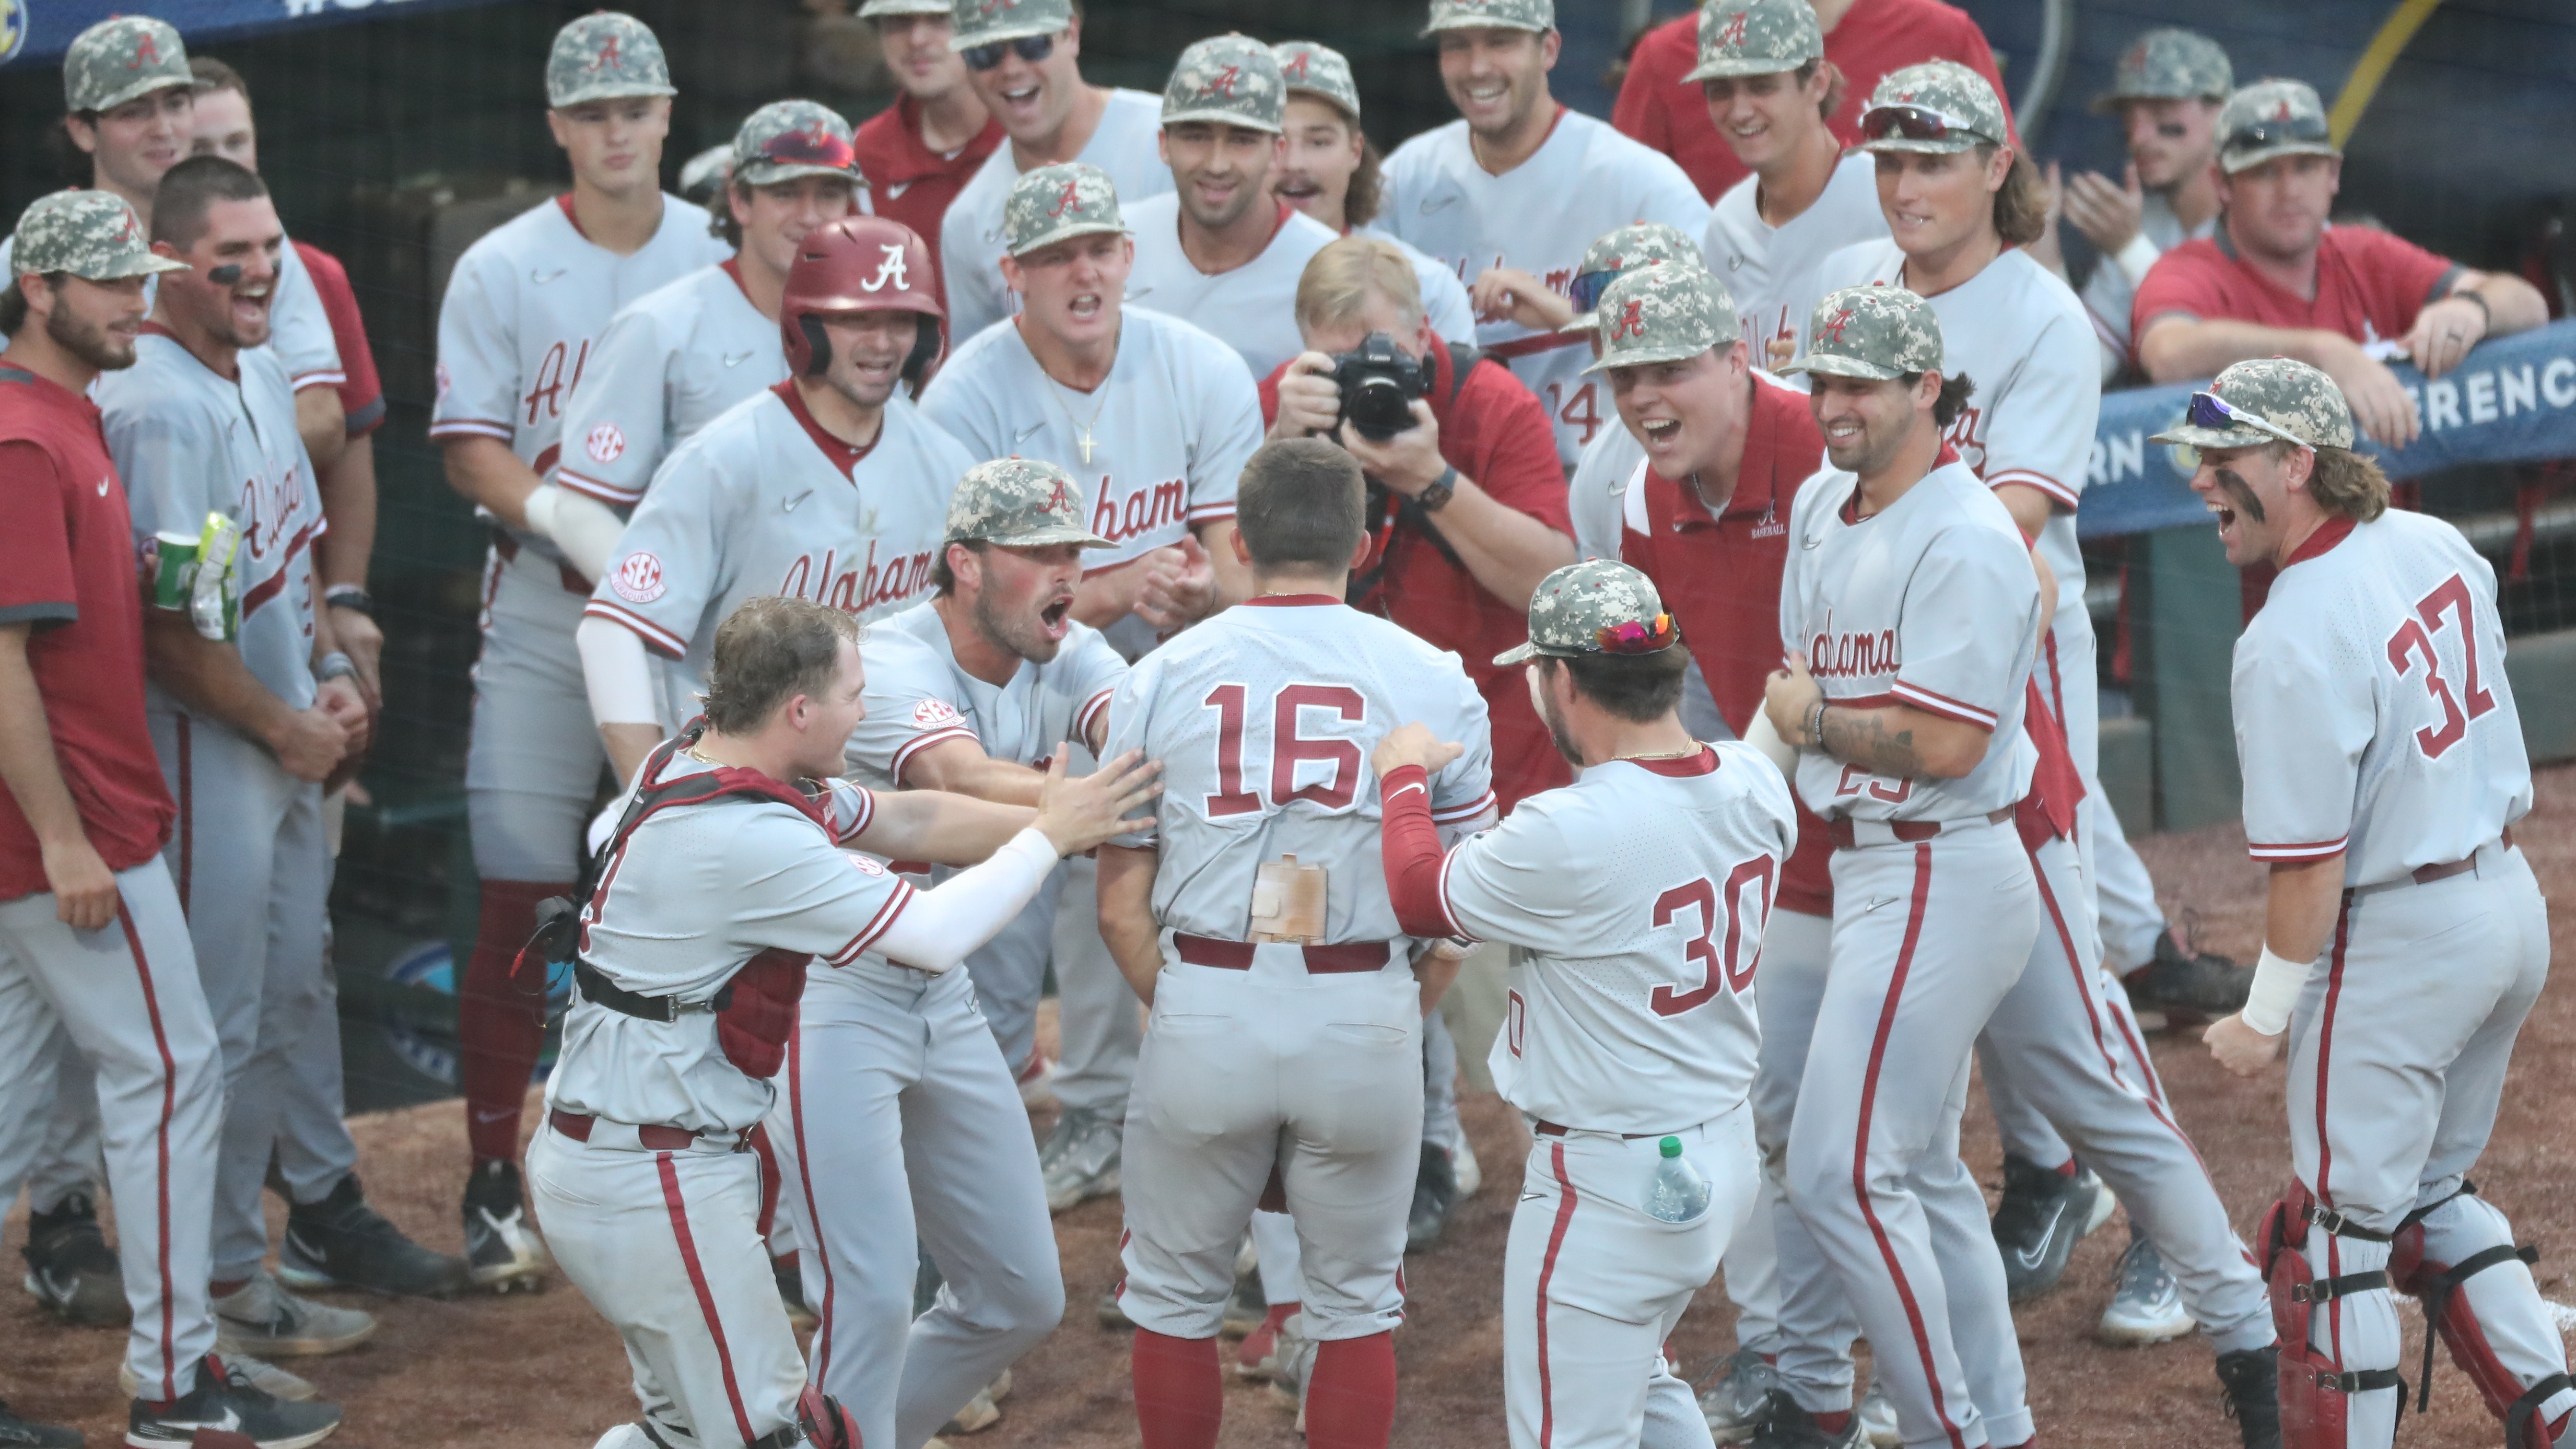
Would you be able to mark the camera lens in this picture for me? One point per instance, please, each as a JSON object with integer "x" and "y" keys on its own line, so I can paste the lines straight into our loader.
{"x": 1379, "y": 408}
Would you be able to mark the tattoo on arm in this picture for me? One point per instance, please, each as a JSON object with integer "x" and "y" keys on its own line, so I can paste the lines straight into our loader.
{"x": 1861, "y": 737}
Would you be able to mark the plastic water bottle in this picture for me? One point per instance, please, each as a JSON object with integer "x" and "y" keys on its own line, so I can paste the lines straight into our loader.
{"x": 1678, "y": 1193}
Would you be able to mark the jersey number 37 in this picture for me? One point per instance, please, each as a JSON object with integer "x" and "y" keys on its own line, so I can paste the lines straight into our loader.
{"x": 2413, "y": 641}
{"x": 1698, "y": 906}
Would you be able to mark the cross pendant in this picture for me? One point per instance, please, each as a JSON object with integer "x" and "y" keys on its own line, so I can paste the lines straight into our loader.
{"x": 1084, "y": 443}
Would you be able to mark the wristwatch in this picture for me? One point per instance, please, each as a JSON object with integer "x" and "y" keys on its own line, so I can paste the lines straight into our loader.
{"x": 1437, "y": 496}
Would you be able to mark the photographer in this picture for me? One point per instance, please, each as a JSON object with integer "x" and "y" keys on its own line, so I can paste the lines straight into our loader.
{"x": 1466, "y": 500}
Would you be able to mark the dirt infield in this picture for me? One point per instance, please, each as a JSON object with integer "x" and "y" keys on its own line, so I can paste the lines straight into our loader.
{"x": 544, "y": 1371}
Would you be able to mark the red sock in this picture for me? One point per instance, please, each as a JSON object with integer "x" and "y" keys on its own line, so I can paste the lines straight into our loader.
{"x": 1180, "y": 1395}
{"x": 1832, "y": 1421}
{"x": 1351, "y": 1403}
{"x": 500, "y": 1024}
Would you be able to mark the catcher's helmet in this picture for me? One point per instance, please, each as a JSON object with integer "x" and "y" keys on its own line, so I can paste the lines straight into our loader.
{"x": 859, "y": 264}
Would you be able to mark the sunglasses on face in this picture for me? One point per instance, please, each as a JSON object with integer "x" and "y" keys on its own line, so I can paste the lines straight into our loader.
{"x": 1031, "y": 48}
{"x": 2208, "y": 410}
{"x": 1915, "y": 123}
{"x": 2275, "y": 132}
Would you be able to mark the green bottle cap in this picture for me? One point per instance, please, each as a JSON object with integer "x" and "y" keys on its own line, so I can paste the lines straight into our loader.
{"x": 1672, "y": 1146}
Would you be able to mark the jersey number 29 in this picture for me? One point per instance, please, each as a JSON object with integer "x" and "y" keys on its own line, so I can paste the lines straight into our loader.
{"x": 1747, "y": 898}
{"x": 2414, "y": 640}
{"x": 1288, "y": 749}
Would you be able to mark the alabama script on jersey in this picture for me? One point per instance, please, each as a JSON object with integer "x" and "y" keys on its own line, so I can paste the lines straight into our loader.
{"x": 1771, "y": 271}
{"x": 970, "y": 236}
{"x": 1264, "y": 717}
{"x": 525, "y": 306}
{"x": 2373, "y": 714}
{"x": 1637, "y": 897}
{"x": 1929, "y": 602}
{"x": 1585, "y": 179}
{"x": 669, "y": 364}
{"x": 919, "y": 695}
{"x": 763, "y": 501}
{"x": 1252, "y": 308}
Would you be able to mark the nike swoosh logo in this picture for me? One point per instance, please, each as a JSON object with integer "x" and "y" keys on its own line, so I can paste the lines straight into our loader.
{"x": 1811, "y": 542}
{"x": 482, "y": 1116}
{"x": 102, "y": 487}
{"x": 1532, "y": 1196}
{"x": 1024, "y": 434}
{"x": 1135, "y": 292}
{"x": 1874, "y": 905}
{"x": 896, "y": 189}
{"x": 736, "y": 359}
{"x": 799, "y": 498}
{"x": 1431, "y": 204}
{"x": 230, "y": 1423}
{"x": 541, "y": 278}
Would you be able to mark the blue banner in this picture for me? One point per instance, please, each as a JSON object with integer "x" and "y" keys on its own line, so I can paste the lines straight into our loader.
{"x": 38, "y": 32}
{"x": 2512, "y": 400}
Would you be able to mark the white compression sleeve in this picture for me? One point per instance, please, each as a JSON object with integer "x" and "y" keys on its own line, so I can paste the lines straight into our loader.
{"x": 943, "y": 925}
{"x": 615, "y": 673}
{"x": 2275, "y": 990}
{"x": 1763, "y": 736}
{"x": 584, "y": 528}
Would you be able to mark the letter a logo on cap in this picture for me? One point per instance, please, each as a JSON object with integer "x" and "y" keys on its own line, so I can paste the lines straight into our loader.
{"x": 1632, "y": 320}
{"x": 1062, "y": 497}
{"x": 1067, "y": 197}
{"x": 609, "y": 57}
{"x": 1835, "y": 324}
{"x": 1733, "y": 31}
{"x": 1223, "y": 84}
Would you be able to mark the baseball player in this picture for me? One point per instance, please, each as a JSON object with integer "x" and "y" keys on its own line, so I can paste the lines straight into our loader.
{"x": 1154, "y": 419}
{"x": 1509, "y": 194}
{"x": 1257, "y": 927}
{"x": 918, "y": 153}
{"x": 677, "y": 357}
{"x": 523, "y": 309}
{"x": 91, "y": 931}
{"x": 2384, "y": 770}
{"x": 1913, "y": 615}
{"x": 1770, "y": 91}
{"x": 902, "y": 1120}
{"x": 1023, "y": 58}
{"x": 1969, "y": 203}
{"x": 722, "y": 879}
{"x": 1220, "y": 251}
{"x": 1331, "y": 171}
{"x": 1631, "y": 1035}
{"x": 827, "y": 486}
{"x": 1596, "y": 493}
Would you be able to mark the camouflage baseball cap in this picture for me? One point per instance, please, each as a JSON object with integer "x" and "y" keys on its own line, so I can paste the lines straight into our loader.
{"x": 1937, "y": 90}
{"x": 1599, "y": 606}
{"x": 1318, "y": 70}
{"x": 2272, "y": 118}
{"x": 1663, "y": 314}
{"x": 787, "y": 139}
{"x": 1756, "y": 37}
{"x": 1538, "y": 15}
{"x": 605, "y": 56}
{"x": 1622, "y": 249}
{"x": 91, "y": 234}
{"x": 1872, "y": 332}
{"x": 2266, "y": 400}
{"x": 2169, "y": 64}
{"x": 1067, "y": 199}
{"x": 984, "y": 22}
{"x": 875, "y": 8}
{"x": 118, "y": 59}
{"x": 1230, "y": 79}
{"x": 1021, "y": 502}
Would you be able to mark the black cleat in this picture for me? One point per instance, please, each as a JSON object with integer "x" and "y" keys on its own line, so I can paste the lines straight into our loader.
{"x": 502, "y": 1249}
{"x": 1435, "y": 1192}
{"x": 2252, "y": 1377}
{"x": 19, "y": 1433}
{"x": 341, "y": 1242}
{"x": 224, "y": 1403}
{"x": 71, "y": 1269}
{"x": 1784, "y": 1425}
{"x": 2043, "y": 1215}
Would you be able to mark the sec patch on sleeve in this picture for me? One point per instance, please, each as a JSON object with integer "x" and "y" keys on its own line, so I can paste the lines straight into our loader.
{"x": 638, "y": 579}
{"x": 932, "y": 714}
{"x": 862, "y": 864}
{"x": 606, "y": 443}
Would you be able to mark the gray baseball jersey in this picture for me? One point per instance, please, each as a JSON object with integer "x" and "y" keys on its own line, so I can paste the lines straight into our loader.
{"x": 763, "y": 501}
{"x": 692, "y": 894}
{"x": 1930, "y": 602}
{"x": 667, "y": 365}
{"x": 1636, "y": 898}
{"x": 1598, "y": 493}
{"x": 1264, "y": 717}
{"x": 523, "y": 309}
{"x": 193, "y": 443}
{"x": 299, "y": 329}
{"x": 970, "y": 235}
{"x": 1253, "y": 308}
{"x": 1769, "y": 270}
{"x": 918, "y": 695}
{"x": 2373, "y": 713}
{"x": 1538, "y": 218}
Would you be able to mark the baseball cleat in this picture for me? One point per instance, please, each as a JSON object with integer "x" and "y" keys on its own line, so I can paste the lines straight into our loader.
{"x": 1876, "y": 1418}
{"x": 264, "y": 1319}
{"x": 1464, "y": 1167}
{"x": 1734, "y": 1399}
{"x": 1786, "y": 1426}
{"x": 17, "y": 1432}
{"x": 1245, "y": 1308}
{"x": 71, "y": 1269}
{"x": 980, "y": 1413}
{"x": 2184, "y": 978}
{"x": 225, "y": 1404}
{"x": 1110, "y": 1314}
{"x": 1435, "y": 1192}
{"x": 2252, "y": 1378}
{"x": 2044, "y": 1213}
{"x": 341, "y": 1242}
{"x": 1257, "y": 1357}
{"x": 1292, "y": 1364}
{"x": 1080, "y": 1160}
{"x": 268, "y": 1378}
{"x": 502, "y": 1251}
{"x": 1037, "y": 1082}
{"x": 791, "y": 1291}
{"x": 2147, "y": 1306}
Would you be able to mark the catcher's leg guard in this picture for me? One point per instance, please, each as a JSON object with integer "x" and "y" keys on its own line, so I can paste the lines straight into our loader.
{"x": 823, "y": 1422}
{"x": 2498, "y": 1331}
{"x": 2315, "y": 1386}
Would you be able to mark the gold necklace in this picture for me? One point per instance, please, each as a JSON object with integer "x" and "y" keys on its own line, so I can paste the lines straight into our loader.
{"x": 1082, "y": 430}
{"x": 1695, "y": 748}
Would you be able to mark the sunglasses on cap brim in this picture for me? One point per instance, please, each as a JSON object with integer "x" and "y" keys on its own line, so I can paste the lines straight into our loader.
{"x": 1638, "y": 636}
{"x": 1916, "y": 123}
{"x": 2208, "y": 410}
{"x": 804, "y": 148}
{"x": 2308, "y": 130}
{"x": 1031, "y": 48}
{"x": 1586, "y": 289}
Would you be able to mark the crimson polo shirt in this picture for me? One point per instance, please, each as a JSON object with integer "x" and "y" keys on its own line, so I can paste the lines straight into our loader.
{"x": 2370, "y": 285}
{"x": 1874, "y": 37}
{"x": 362, "y": 393}
{"x": 910, "y": 183}
{"x": 1720, "y": 579}
{"x": 67, "y": 569}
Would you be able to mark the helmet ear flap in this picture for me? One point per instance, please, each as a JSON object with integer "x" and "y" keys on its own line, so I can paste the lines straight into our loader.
{"x": 818, "y": 345}
{"x": 925, "y": 351}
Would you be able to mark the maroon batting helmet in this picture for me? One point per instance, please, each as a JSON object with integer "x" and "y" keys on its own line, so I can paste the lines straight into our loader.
{"x": 859, "y": 264}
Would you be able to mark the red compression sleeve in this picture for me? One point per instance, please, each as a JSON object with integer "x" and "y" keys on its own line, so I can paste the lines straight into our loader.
{"x": 1410, "y": 845}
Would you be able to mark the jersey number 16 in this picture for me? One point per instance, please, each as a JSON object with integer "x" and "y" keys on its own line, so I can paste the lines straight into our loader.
{"x": 1288, "y": 749}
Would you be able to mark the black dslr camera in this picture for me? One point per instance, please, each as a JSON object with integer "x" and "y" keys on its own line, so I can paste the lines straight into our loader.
{"x": 1379, "y": 383}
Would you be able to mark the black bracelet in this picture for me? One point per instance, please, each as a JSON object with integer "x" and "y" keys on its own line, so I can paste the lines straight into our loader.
{"x": 350, "y": 596}
{"x": 2486, "y": 314}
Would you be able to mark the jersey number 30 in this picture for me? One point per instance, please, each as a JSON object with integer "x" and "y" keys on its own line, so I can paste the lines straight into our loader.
{"x": 1287, "y": 749}
{"x": 1747, "y": 899}
{"x": 2414, "y": 640}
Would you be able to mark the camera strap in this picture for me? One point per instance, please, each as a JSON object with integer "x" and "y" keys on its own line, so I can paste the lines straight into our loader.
{"x": 1400, "y": 512}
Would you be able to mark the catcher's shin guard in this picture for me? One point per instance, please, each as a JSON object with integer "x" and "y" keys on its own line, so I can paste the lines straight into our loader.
{"x": 2440, "y": 1249}
{"x": 2315, "y": 1387}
